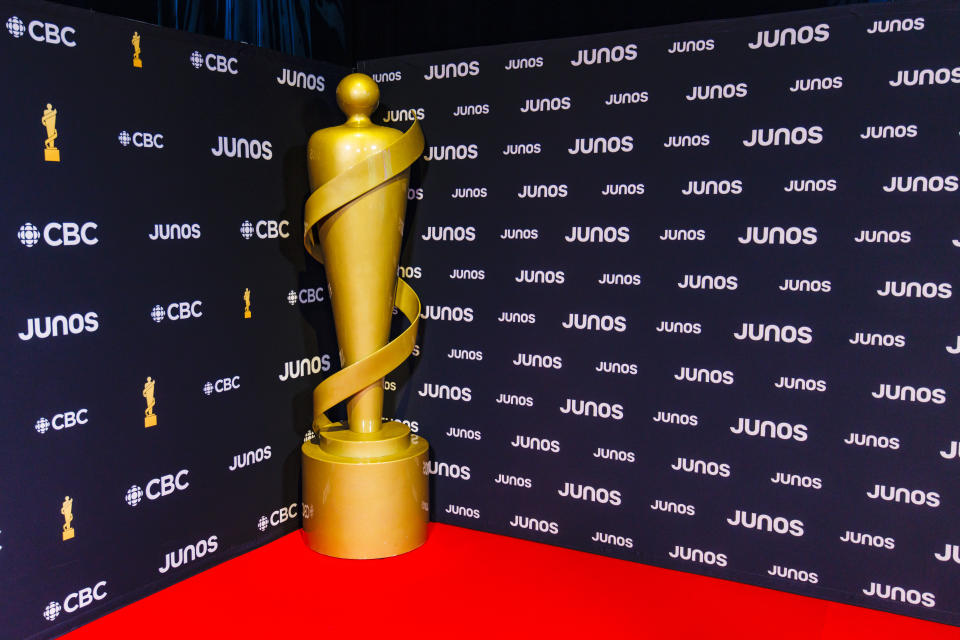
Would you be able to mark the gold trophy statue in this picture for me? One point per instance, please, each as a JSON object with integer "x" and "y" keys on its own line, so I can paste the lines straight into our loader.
{"x": 364, "y": 482}
{"x": 135, "y": 41}
{"x": 49, "y": 121}
{"x": 149, "y": 394}
{"x": 67, "y": 510}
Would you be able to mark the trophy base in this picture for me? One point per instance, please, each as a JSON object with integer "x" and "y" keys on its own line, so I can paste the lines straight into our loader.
{"x": 150, "y": 421}
{"x": 374, "y": 506}
{"x": 247, "y": 314}
{"x": 68, "y": 533}
{"x": 51, "y": 155}
{"x": 137, "y": 63}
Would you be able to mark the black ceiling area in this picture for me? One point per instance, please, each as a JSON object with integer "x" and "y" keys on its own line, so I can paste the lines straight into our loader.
{"x": 343, "y": 31}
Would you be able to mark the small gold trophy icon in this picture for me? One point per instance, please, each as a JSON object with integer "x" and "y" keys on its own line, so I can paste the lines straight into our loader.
{"x": 150, "y": 418}
{"x": 135, "y": 41}
{"x": 365, "y": 491}
{"x": 246, "y": 303}
{"x": 49, "y": 120}
{"x": 67, "y": 511}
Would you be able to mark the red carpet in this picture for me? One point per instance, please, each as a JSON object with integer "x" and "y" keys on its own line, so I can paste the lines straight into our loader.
{"x": 465, "y": 584}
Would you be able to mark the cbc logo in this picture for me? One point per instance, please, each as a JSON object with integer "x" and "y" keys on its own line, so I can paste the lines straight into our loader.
{"x": 222, "y": 385}
{"x": 279, "y": 516}
{"x": 59, "y": 234}
{"x": 265, "y": 229}
{"x": 177, "y": 311}
{"x": 305, "y": 296}
{"x": 141, "y": 139}
{"x": 42, "y": 31}
{"x": 214, "y": 62}
{"x": 61, "y": 421}
{"x": 76, "y": 600}
{"x": 158, "y": 487}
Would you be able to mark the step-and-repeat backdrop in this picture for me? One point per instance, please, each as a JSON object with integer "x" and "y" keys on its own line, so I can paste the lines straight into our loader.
{"x": 691, "y": 296}
{"x": 689, "y": 300}
{"x": 159, "y": 319}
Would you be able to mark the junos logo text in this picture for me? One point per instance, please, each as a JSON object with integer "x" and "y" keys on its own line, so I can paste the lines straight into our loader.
{"x": 293, "y": 369}
{"x": 769, "y": 429}
{"x": 774, "y": 333}
{"x": 452, "y": 152}
{"x": 593, "y": 409}
{"x": 234, "y": 147}
{"x": 703, "y": 467}
{"x": 692, "y": 46}
{"x": 60, "y": 325}
{"x": 588, "y": 493}
{"x": 301, "y": 80}
{"x": 603, "y": 55}
{"x": 922, "y": 184}
{"x": 698, "y": 555}
{"x": 916, "y": 497}
{"x": 167, "y": 231}
{"x": 784, "y": 136}
{"x": 593, "y": 146}
{"x": 535, "y": 524}
{"x": 189, "y": 553}
{"x": 713, "y": 187}
{"x": 524, "y": 63}
{"x": 765, "y": 522}
{"x": 598, "y": 234}
{"x": 920, "y": 77}
{"x": 791, "y": 36}
{"x": 445, "y": 392}
{"x": 717, "y": 91}
{"x": 897, "y": 24}
{"x": 630, "y": 97}
{"x": 900, "y": 594}
{"x": 817, "y": 84}
{"x": 249, "y": 458}
{"x": 713, "y": 376}
{"x": 779, "y": 235}
{"x": 447, "y": 470}
{"x": 452, "y": 70}
{"x": 404, "y": 115}
{"x": 669, "y": 506}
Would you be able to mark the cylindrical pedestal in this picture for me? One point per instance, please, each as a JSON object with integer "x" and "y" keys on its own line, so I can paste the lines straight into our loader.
{"x": 363, "y": 496}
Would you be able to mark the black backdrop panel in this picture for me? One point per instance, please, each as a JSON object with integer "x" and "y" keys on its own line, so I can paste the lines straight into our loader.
{"x": 129, "y": 259}
{"x": 690, "y": 296}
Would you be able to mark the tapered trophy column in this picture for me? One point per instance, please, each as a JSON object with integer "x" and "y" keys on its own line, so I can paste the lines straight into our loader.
{"x": 364, "y": 482}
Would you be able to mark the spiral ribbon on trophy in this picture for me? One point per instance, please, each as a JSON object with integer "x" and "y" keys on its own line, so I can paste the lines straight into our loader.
{"x": 328, "y": 198}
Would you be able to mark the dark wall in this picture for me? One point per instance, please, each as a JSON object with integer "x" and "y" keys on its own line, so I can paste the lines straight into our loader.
{"x": 141, "y": 211}
{"x": 649, "y": 334}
